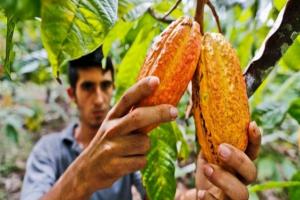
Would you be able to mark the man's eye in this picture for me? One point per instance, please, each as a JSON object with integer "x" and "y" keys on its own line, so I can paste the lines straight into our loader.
{"x": 105, "y": 85}
{"x": 87, "y": 86}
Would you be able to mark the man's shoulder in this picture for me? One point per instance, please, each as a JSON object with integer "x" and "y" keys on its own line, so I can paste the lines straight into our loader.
{"x": 51, "y": 137}
{"x": 49, "y": 141}
{"x": 56, "y": 138}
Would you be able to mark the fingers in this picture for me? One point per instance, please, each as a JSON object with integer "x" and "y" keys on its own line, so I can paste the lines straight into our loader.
{"x": 238, "y": 161}
{"x": 189, "y": 194}
{"x": 205, "y": 195}
{"x": 133, "y": 95}
{"x": 142, "y": 117}
{"x": 254, "y": 141}
{"x": 202, "y": 182}
{"x": 132, "y": 164}
{"x": 226, "y": 182}
{"x": 132, "y": 145}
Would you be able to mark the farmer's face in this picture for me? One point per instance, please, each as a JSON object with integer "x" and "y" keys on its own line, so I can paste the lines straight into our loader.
{"x": 93, "y": 93}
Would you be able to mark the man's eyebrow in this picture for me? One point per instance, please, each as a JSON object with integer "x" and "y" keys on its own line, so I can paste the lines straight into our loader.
{"x": 89, "y": 82}
{"x": 106, "y": 80}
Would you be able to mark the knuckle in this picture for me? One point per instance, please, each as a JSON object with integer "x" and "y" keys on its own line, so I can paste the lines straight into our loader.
{"x": 136, "y": 117}
{"x": 107, "y": 148}
{"x": 125, "y": 98}
{"x": 241, "y": 159}
{"x": 110, "y": 128}
{"x": 146, "y": 143}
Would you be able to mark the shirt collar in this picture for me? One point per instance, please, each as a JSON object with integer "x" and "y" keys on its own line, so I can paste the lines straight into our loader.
{"x": 68, "y": 137}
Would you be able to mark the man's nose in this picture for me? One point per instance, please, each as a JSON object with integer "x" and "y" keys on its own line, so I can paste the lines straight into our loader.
{"x": 99, "y": 98}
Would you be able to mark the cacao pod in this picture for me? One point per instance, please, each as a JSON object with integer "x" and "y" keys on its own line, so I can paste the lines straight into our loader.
{"x": 173, "y": 59}
{"x": 221, "y": 110}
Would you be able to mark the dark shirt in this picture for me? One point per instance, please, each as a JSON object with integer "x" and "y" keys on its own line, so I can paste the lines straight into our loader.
{"x": 52, "y": 155}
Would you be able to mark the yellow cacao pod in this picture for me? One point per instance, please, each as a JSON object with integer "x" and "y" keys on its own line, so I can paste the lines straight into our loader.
{"x": 173, "y": 59}
{"x": 221, "y": 110}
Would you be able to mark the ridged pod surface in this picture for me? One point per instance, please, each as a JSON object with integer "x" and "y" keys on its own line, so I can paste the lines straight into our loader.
{"x": 173, "y": 59}
{"x": 220, "y": 103}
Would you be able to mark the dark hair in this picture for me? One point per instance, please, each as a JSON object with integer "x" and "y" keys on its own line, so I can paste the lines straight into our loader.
{"x": 90, "y": 60}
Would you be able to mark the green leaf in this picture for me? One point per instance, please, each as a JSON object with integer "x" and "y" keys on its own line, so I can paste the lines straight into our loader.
{"x": 9, "y": 53}
{"x": 294, "y": 109}
{"x": 291, "y": 58}
{"x": 294, "y": 192}
{"x": 265, "y": 168}
{"x": 181, "y": 142}
{"x": 279, "y": 4}
{"x": 270, "y": 114}
{"x": 12, "y": 133}
{"x": 273, "y": 185}
{"x": 132, "y": 9}
{"x": 289, "y": 90}
{"x": 159, "y": 174}
{"x": 133, "y": 60}
{"x": 71, "y": 29}
{"x": 118, "y": 32}
{"x": 21, "y": 9}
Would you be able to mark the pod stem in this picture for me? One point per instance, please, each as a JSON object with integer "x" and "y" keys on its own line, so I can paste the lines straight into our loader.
{"x": 215, "y": 14}
{"x": 172, "y": 9}
{"x": 199, "y": 15}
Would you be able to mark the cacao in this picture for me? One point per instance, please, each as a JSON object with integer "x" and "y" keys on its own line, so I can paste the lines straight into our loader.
{"x": 220, "y": 102}
{"x": 173, "y": 59}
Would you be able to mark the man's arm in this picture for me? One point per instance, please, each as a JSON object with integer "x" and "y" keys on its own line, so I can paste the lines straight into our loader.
{"x": 40, "y": 170}
{"x": 118, "y": 147}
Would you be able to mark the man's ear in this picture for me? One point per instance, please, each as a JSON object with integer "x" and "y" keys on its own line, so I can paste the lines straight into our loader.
{"x": 71, "y": 93}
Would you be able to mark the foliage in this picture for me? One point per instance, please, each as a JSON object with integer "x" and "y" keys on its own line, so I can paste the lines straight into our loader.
{"x": 34, "y": 32}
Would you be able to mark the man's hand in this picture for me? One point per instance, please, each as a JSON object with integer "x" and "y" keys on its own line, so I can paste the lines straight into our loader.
{"x": 118, "y": 147}
{"x": 214, "y": 182}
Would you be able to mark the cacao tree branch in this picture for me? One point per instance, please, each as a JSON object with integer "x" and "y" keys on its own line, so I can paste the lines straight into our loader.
{"x": 215, "y": 14}
{"x": 285, "y": 30}
{"x": 159, "y": 18}
{"x": 172, "y": 9}
{"x": 199, "y": 15}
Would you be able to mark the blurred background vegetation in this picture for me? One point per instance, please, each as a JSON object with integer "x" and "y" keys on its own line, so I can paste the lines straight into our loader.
{"x": 32, "y": 103}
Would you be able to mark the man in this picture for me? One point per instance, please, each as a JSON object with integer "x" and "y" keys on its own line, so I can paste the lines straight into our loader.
{"x": 88, "y": 162}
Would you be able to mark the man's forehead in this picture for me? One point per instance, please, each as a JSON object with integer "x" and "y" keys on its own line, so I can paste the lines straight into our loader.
{"x": 94, "y": 74}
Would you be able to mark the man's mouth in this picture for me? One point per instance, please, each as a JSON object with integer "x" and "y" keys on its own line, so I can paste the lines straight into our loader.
{"x": 99, "y": 113}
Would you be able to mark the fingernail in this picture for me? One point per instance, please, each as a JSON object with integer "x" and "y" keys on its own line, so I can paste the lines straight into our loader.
{"x": 224, "y": 151}
{"x": 254, "y": 123}
{"x": 173, "y": 112}
{"x": 208, "y": 170}
{"x": 153, "y": 82}
{"x": 201, "y": 194}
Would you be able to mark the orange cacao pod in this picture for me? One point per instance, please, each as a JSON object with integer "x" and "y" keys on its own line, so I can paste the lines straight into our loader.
{"x": 221, "y": 110}
{"x": 173, "y": 59}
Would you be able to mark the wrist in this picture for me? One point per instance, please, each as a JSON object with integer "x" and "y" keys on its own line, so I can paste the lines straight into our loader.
{"x": 70, "y": 186}
{"x": 82, "y": 180}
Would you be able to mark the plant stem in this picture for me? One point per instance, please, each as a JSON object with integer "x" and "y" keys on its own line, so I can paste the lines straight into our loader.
{"x": 161, "y": 19}
{"x": 172, "y": 9}
{"x": 199, "y": 15}
{"x": 215, "y": 14}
